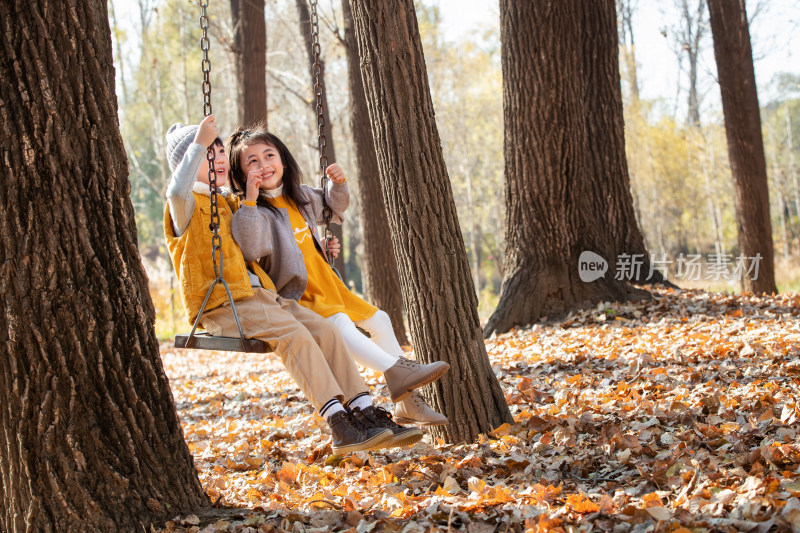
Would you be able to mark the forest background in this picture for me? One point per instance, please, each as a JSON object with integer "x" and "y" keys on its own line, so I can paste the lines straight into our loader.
{"x": 675, "y": 138}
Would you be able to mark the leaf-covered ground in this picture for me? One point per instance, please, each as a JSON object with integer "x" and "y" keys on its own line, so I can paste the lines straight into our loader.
{"x": 674, "y": 414}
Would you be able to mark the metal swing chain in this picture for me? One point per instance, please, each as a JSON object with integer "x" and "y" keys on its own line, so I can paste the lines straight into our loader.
{"x": 216, "y": 240}
{"x": 327, "y": 212}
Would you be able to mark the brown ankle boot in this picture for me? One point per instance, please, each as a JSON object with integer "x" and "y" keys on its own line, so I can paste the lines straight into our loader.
{"x": 349, "y": 435}
{"x": 407, "y": 375}
{"x": 414, "y": 410}
{"x": 380, "y": 417}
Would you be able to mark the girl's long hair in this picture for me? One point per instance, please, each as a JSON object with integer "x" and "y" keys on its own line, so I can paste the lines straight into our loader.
{"x": 292, "y": 175}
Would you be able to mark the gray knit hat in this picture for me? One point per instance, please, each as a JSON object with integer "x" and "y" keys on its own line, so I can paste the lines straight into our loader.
{"x": 179, "y": 138}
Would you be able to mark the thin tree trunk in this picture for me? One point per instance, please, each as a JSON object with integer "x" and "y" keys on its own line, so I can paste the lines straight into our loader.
{"x": 561, "y": 199}
{"x": 250, "y": 56}
{"x": 711, "y": 198}
{"x": 625, "y": 10}
{"x": 90, "y": 437}
{"x": 693, "y": 51}
{"x": 690, "y": 35}
{"x": 792, "y": 167}
{"x": 305, "y": 29}
{"x": 737, "y": 83}
{"x": 780, "y": 203}
{"x": 432, "y": 262}
{"x": 694, "y": 104}
{"x": 145, "y": 13}
{"x": 118, "y": 42}
{"x": 381, "y": 282}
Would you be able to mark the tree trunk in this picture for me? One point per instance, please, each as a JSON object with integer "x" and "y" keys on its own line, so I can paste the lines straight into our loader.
{"x": 117, "y": 32}
{"x": 566, "y": 183}
{"x": 431, "y": 259}
{"x": 250, "y": 54}
{"x": 692, "y": 30}
{"x": 381, "y": 283}
{"x": 305, "y": 28}
{"x": 777, "y": 184}
{"x": 605, "y": 128}
{"x": 737, "y": 82}
{"x": 90, "y": 437}
{"x": 625, "y": 11}
{"x": 792, "y": 167}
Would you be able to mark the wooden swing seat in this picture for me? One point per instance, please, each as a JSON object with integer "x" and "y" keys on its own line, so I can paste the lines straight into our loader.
{"x": 204, "y": 341}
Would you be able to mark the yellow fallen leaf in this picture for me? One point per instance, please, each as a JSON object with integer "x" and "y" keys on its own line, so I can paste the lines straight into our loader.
{"x": 581, "y": 504}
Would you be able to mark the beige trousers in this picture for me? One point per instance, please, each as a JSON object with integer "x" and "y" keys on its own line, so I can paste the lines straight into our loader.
{"x": 311, "y": 347}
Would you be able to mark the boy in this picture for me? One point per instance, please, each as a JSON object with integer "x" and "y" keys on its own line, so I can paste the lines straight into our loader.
{"x": 296, "y": 334}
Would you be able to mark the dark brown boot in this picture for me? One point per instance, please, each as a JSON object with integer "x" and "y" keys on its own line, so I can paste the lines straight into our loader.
{"x": 380, "y": 417}
{"x": 349, "y": 435}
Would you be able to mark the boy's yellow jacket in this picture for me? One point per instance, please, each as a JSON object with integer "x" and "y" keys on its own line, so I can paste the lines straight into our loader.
{"x": 191, "y": 258}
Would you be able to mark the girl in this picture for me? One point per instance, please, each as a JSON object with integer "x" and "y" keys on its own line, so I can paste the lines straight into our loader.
{"x": 297, "y": 335}
{"x": 275, "y": 227}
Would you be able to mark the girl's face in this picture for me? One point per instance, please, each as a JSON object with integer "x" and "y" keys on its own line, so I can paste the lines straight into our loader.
{"x": 265, "y": 160}
{"x": 220, "y": 167}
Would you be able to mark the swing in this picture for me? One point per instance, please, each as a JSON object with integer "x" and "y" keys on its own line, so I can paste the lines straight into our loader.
{"x": 327, "y": 212}
{"x": 203, "y": 340}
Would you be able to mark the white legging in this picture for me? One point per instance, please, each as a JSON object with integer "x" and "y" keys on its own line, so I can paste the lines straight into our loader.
{"x": 380, "y": 350}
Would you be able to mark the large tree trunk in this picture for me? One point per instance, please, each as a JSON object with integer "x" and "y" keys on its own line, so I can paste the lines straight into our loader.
{"x": 607, "y": 165}
{"x": 431, "y": 259}
{"x": 562, "y": 199}
{"x": 305, "y": 28}
{"x": 382, "y": 286}
{"x": 89, "y": 435}
{"x": 737, "y": 83}
{"x": 250, "y": 53}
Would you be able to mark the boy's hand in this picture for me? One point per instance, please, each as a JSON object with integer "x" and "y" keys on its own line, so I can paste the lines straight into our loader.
{"x": 253, "y": 185}
{"x": 207, "y": 132}
{"x": 335, "y": 173}
{"x": 334, "y": 246}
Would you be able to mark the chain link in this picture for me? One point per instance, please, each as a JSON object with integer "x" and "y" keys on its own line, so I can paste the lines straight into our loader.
{"x": 216, "y": 240}
{"x": 316, "y": 70}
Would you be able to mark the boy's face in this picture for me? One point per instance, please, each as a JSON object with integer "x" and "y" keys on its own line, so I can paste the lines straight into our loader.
{"x": 220, "y": 166}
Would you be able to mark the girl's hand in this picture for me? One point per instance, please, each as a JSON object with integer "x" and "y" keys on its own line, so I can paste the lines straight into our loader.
{"x": 335, "y": 173}
{"x": 253, "y": 185}
{"x": 207, "y": 132}
{"x": 334, "y": 246}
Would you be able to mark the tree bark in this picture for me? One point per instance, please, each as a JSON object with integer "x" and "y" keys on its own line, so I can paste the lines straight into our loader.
{"x": 305, "y": 29}
{"x": 89, "y": 434}
{"x": 737, "y": 83}
{"x": 605, "y": 129}
{"x": 566, "y": 177}
{"x": 250, "y": 55}
{"x": 381, "y": 283}
{"x": 431, "y": 259}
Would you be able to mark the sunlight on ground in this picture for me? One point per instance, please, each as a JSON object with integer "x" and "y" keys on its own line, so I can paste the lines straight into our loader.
{"x": 679, "y": 412}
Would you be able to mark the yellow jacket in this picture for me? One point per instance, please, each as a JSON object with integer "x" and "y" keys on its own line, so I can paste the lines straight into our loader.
{"x": 191, "y": 258}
